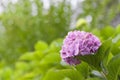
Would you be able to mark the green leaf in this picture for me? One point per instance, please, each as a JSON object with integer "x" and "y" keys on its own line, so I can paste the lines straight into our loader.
{"x": 55, "y": 46}
{"x": 116, "y": 47}
{"x": 114, "y": 68}
{"x": 22, "y": 66}
{"x": 28, "y": 76}
{"x": 7, "y": 74}
{"x": 106, "y": 32}
{"x": 93, "y": 79}
{"x": 39, "y": 55}
{"x": 100, "y": 57}
{"x": 41, "y": 46}
{"x": 68, "y": 74}
{"x": 36, "y": 55}
{"x": 83, "y": 68}
{"x": 27, "y": 56}
{"x": 118, "y": 29}
{"x": 97, "y": 33}
{"x": 50, "y": 58}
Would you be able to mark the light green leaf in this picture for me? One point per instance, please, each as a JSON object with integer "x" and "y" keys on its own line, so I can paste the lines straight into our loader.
{"x": 22, "y": 66}
{"x": 50, "y": 58}
{"x": 62, "y": 74}
{"x": 7, "y": 74}
{"x": 113, "y": 68}
{"x": 27, "y": 56}
{"x": 41, "y": 46}
{"x": 36, "y": 55}
{"x": 27, "y": 76}
{"x": 118, "y": 29}
{"x": 39, "y": 55}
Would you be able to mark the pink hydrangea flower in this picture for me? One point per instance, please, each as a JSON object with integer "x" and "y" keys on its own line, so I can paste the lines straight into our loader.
{"x": 78, "y": 43}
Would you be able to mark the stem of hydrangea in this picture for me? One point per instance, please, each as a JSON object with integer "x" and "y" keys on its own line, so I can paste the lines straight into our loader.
{"x": 73, "y": 67}
{"x": 104, "y": 75}
{"x": 104, "y": 70}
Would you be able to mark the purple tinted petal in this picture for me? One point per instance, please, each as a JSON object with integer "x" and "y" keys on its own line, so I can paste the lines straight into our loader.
{"x": 78, "y": 43}
{"x": 71, "y": 60}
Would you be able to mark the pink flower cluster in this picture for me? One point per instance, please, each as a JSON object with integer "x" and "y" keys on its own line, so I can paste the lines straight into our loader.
{"x": 78, "y": 43}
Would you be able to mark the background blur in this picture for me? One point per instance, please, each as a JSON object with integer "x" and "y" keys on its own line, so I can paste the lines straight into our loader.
{"x": 24, "y": 22}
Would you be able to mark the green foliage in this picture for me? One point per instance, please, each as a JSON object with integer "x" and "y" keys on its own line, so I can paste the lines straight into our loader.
{"x": 68, "y": 74}
{"x": 84, "y": 69}
{"x": 107, "y": 32}
{"x": 44, "y": 63}
{"x": 116, "y": 41}
{"x": 30, "y": 59}
{"x": 23, "y": 29}
{"x": 93, "y": 79}
{"x": 41, "y": 46}
{"x": 24, "y": 24}
{"x": 114, "y": 68}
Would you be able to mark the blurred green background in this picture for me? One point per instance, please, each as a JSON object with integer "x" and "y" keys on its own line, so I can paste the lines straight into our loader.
{"x": 25, "y": 22}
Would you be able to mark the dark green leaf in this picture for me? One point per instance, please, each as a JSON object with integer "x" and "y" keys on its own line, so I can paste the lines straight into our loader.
{"x": 114, "y": 68}
{"x": 116, "y": 47}
{"x": 83, "y": 68}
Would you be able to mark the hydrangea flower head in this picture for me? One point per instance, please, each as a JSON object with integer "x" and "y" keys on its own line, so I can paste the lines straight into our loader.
{"x": 78, "y": 43}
